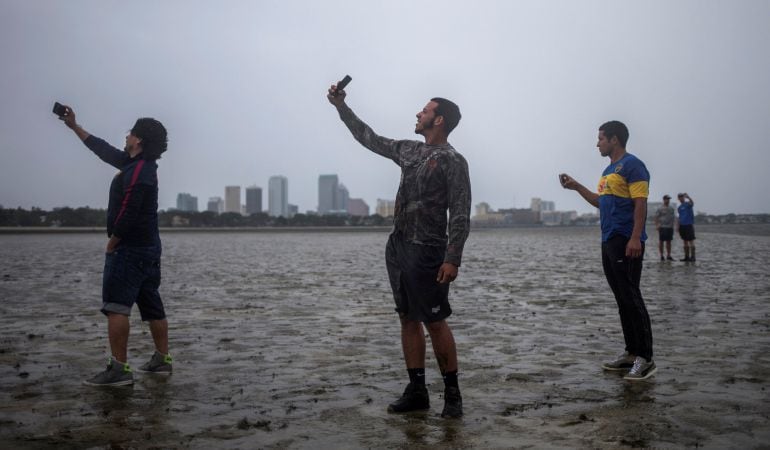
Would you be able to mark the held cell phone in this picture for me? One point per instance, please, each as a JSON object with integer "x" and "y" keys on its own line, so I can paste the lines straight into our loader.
{"x": 59, "y": 109}
{"x": 342, "y": 83}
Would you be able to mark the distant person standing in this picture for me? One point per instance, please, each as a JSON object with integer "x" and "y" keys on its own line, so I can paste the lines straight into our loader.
{"x": 421, "y": 259}
{"x": 686, "y": 225}
{"x": 665, "y": 217}
{"x": 622, "y": 202}
{"x": 132, "y": 265}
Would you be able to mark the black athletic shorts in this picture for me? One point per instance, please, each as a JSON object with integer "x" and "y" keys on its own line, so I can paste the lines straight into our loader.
{"x": 687, "y": 232}
{"x": 412, "y": 270}
{"x": 665, "y": 234}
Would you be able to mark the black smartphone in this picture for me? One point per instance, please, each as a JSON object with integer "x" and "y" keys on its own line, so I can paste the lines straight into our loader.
{"x": 342, "y": 83}
{"x": 59, "y": 109}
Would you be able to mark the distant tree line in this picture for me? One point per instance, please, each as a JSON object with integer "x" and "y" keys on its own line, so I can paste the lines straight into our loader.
{"x": 59, "y": 217}
{"x": 732, "y": 218}
{"x": 88, "y": 217}
{"x": 212, "y": 219}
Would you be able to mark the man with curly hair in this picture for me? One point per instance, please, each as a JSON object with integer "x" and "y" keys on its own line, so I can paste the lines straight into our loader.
{"x": 132, "y": 265}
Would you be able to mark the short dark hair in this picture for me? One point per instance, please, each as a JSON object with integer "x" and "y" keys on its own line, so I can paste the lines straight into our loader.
{"x": 450, "y": 111}
{"x": 153, "y": 136}
{"x": 616, "y": 129}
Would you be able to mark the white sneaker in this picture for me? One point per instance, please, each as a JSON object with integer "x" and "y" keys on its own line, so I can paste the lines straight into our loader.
{"x": 641, "y": 370}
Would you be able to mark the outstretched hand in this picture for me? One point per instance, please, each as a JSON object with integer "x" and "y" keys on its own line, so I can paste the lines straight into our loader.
{"x": 336, "y": 97}
{"x": 567, "y": 182}
{"x": 69, "y": 117}
{"x": 447, "y": 273}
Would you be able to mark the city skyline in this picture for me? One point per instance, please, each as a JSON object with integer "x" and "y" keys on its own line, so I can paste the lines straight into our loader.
{"x": 534, "y": 80}
{"x": 333, "y": 198}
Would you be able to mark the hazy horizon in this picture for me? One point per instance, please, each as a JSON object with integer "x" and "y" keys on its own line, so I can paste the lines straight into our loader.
{"x": 653, "y": 204}
{"x": 241, "y": 88}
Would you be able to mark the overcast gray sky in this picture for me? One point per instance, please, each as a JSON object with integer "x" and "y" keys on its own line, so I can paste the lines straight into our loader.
{"x": 241, "y": 86}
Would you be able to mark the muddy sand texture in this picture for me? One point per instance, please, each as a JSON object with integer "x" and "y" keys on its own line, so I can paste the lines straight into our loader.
{"x": 289, "y": 340}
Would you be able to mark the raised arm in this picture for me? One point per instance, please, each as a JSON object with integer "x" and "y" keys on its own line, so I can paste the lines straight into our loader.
{"x": 69, "y": 120}
{"x": 362, "y": 132}
{"x": 107, "y": 153}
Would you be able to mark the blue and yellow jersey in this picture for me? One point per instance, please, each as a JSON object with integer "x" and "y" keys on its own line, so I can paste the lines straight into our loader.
{"x": 622, "y": 182}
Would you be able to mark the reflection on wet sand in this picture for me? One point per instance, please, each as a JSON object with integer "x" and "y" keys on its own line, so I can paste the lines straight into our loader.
{"x": 289, "y": 340}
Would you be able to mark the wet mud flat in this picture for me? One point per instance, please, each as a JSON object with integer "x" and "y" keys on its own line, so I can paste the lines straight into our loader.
{"x": 289, "y": 340}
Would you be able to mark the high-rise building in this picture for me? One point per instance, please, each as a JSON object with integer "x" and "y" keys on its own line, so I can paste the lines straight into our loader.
{"x": 253, "y": 200}
{"x": 333, "y": 196}
{"x": 386, "y": 208}
{"x": 358, "y": 207}
{"x": 278, "y": 196}
{"x": 216, "y": 204}
{"x": 293, "y": 210}
{"x": 343, "y": 197}
{"x": 327, "y": 194}
{"x": 186, "y": 202}
{"x": 233, "y": 199}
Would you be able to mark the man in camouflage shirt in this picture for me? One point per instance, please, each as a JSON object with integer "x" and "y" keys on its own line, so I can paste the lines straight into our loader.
{"x": 421, "y": 259}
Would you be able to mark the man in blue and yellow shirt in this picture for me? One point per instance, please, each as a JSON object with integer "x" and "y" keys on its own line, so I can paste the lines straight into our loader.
{"x": 622, "y": 202}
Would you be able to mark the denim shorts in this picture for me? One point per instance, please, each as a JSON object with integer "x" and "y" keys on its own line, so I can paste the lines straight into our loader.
{"x": 412, "y": 270}
{"x": 132, "y": 275}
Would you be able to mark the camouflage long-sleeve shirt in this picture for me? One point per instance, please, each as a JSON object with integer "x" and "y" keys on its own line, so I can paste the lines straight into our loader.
{"x": 434, "y": 179}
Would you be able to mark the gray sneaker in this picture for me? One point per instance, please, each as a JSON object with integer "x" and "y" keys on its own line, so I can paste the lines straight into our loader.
{"x": 641, "y": 370}
{"x": 159, "y": 363}
{"x": 116, "y": 374}
{"x": 621, "y": 363}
